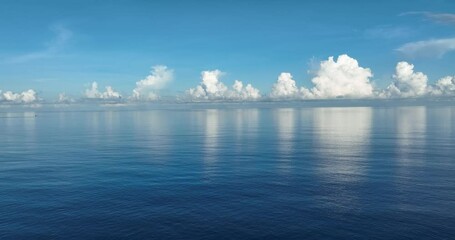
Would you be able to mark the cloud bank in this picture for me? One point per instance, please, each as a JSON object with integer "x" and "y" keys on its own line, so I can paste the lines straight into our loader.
{"x": 211, "y": 88}
{"x": 345, "y": 78}
{"x": 340, "y": 77}
{"x": 158, "y": 78}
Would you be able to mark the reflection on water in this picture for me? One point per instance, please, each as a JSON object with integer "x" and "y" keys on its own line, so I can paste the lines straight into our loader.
{"x": 111, "y": 121}
{"x": 445, "y": 120}
{"x": 29, "y": 125}
{"x": 342, "y": 142}
{"x": 211, "y": 135}
{"x": 286, "y": 122}
{"x": 246, "y": 125}
{"x": 342, "y": 137}
{"x": 246, "y": 121}
{"x": 442, "y": 123}
{"x": 411, "y": 126}
{"x": 152, "y": 130}
{"x": 239, "y": 125}
{"x": 411, "y": 132}
{"x": 286, "y": 130}
{"x": 93, "y": 123}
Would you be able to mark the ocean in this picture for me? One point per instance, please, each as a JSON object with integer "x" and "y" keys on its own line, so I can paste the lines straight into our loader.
{"x": 214, "y": 171}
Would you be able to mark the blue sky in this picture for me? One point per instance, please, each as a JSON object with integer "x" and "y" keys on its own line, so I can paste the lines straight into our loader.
{"x": 63, "y": 46}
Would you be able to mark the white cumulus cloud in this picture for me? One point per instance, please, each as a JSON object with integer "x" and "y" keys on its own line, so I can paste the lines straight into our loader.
{"x": 28, "y": 96}
{"x": 146, "y": 88}
{"x": 407, "y": 83}
{"x": 212, "y": 88}
{"x": 443, "y": 87}
{"x": 285, "y": 87}
{"x": 340, "y": 78}
{"x": 241, "y": 92}
{"x": 94, "y": 93}
{"x": 63, "y": 98}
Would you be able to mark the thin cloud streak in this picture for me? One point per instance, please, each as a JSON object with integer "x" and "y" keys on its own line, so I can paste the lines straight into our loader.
{"x": 441, "y": 18}
{"x": 429, "y": 48}
{"x": 433, "y": 48}
{"x": 388, "y": 32}
{"x": 62, "y": 36}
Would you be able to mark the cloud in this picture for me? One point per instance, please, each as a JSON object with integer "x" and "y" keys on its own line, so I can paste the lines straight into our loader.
{"x": 62, "y": 36}
{"x": 28, "y": 96}
{"x": 244, "y": 93}
{"x": 211, "y": 88}
{"x": 146, "y": 88}
{"x": 430, "y": 48}
{"x": 63, "y": 98}
{"x": 340, "y": 78}
{"x": 387, "y": 32}
{"x": 285, "y": 87}
{"x": 443, "y": 87}
{"x": 433, "y": 47}
{"x": 344, "y": 78}
{"x": 93, "y": 93}
{"x": 442, "y": 18}
{"x": 407, "y": 83}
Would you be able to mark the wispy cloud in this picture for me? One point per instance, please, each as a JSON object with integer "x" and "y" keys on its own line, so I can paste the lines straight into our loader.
{"x": 429, "y": 48}
{"x": 433, "y": 47}
{"x": 443, "y": 18}
{"x": 53, "y": 47}
{"x": 388, "y": 32}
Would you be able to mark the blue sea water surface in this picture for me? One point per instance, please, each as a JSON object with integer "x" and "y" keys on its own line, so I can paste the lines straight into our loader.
{"x": 212, "y": 172}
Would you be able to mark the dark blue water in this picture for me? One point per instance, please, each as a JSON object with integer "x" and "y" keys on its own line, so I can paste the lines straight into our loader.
{"x": 219, "y": 173}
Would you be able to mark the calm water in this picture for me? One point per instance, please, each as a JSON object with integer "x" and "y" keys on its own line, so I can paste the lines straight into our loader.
{"x": 249, "y": 173}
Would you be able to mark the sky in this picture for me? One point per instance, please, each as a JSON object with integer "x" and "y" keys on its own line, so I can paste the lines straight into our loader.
{"x": 58, "y": 47}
